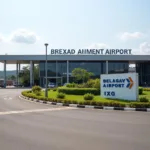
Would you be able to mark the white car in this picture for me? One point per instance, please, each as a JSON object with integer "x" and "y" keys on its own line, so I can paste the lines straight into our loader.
{"x": 51, "y": 85}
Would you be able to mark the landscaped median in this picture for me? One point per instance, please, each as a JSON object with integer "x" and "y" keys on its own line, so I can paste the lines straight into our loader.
{"x": 88, "y": 98}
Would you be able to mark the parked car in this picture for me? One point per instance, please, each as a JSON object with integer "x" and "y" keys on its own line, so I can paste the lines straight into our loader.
{"x": 2, "y": 85}
{"x": 51, "y": 85}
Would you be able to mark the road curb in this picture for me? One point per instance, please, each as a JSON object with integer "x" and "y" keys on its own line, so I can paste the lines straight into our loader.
{"x": 87, "y": 106}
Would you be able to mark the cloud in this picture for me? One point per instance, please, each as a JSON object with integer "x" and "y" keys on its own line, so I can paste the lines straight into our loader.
{"x": 23, "y": 36}
{"x": 129, "y": 36}
{"x": 145, "y": 47}
{"x": 98, "y": 45}
{"x": 1, "y": 38}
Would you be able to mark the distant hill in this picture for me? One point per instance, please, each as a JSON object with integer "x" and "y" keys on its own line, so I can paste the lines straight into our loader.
{"x": 8, "y": 73}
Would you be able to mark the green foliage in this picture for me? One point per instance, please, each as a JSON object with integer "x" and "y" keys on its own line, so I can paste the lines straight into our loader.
{"x": 36, "y": 89}
{"x": 88, "y": 96}
{"x": 146, "y": 89}
{"x": 140, "y": 90}
{"x": 38, "y": 93}
{"x": 70, "y": 85}
{"x": 97, "y": 84}
{"x": 83, "y": 85}
{"x": 90, "y": 83}
{"x": 144, "y": 99}
{"x": 11, "y": 77}
{"x": 87, "y": 102}
{"x": 93, "y": 83}
{"x": 74, "y": 102}
{"x": 54, "y": 89}
{"x": 81, "y": 74}
{"x": 81, "y": 103}
{"x": 25, "y": 75}
{"x": 139, "y": 105}
{"x": 61, "y": 95}
{"x": 79, "y": 91}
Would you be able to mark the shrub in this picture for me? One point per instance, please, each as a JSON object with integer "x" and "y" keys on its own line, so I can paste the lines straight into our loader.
{"x": 67, "y": 101}
{"x": 81, "y": 103}
{"x": 83, "y": 85}
{"x": 146, "y": 89}
{"x": 122, "y": 105}
{"x": 88, "y": 96}
{"x": 37, "y": 93}
{"x": 79, "y": 91}
{"x": 74, "y": 102}
{"x": 144, "y": 99}
{"x": 93, "y": 103}
{"x": 36, "y": 88}
{"x": 99, "y": 103}
{"x": 70, "y": 85}
{"x": 87, "y": 102}
{"x": 90, "y": 83}
{"x": 97, "y": 84}
{"x": 140, "y": 90}
{"x": 49, "y": 99}
{"x": 54, "y": 89}
{"x": 61, "y": 95}
{"x": 139, "y": 105}
{"x": 59, "y": 101}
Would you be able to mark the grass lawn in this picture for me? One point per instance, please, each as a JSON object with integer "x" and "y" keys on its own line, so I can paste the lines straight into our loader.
{"x": 79, "y": 98}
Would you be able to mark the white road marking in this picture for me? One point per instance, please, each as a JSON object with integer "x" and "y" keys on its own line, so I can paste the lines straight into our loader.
{"x": 7, "y": 98}
{"x": 34, "y": 110}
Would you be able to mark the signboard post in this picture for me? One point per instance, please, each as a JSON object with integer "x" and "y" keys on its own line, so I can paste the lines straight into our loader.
{"x": 120, "y": 86}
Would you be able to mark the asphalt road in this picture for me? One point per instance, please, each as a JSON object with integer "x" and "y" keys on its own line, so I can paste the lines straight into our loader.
{"x": 27, "y": 125}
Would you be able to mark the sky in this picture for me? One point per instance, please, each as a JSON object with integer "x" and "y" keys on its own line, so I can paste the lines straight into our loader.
{"x": 25, "y": 25}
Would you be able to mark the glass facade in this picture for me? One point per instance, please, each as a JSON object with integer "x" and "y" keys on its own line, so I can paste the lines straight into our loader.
{"x": 143, "y": 69}
{"x": 57, "y": 70}
{"x": 118, "y": 67}
{"x": 96, "y": 67}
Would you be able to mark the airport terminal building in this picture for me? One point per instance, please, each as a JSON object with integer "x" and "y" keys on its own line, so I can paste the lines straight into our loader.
{"x": 61, "y": 63}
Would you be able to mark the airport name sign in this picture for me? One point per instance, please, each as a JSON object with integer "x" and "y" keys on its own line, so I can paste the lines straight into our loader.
{"x": 91, "y": 52}
{"x": 120, "y": 86}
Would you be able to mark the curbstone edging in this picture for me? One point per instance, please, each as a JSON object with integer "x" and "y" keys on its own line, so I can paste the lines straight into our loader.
{"x": 81, "y": 106}
{"x": 108, "y": 108}
{"x": 141, "y": 109}
{"x": 73, "y": 105}
{"x": 148, "y": 109}
{"x": 129, "y": 109}
{"x": 87, "y": 106}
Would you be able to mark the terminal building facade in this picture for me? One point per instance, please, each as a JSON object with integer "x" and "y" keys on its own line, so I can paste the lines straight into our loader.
{"x": 59, "y": 67}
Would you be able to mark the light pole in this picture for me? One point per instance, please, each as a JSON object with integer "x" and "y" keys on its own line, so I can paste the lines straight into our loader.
{"x": 46, "y": 94}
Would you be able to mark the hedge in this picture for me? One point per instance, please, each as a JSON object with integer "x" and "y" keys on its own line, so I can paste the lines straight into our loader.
{"x": 139, "y": 105}
{"x": 82, "y": 91}
{"x": 78, "y": 91}
{"x": 140, "y": 90}
{"x": 146, "y": 89}
{"x": 29, "y": 94}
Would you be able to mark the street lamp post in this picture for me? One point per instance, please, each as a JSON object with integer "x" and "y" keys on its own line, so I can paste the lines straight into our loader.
{"x": 46, "y": 94}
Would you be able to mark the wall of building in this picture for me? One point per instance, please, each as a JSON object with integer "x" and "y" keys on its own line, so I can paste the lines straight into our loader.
{"x": 143, "y": 68}
{"x": 57, "y": 70}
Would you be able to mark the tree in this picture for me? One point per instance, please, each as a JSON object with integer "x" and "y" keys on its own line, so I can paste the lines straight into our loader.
{"x": 81, "y": 74}
{"x": 25, "y": 75}
{"x": 11, "y": 77}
